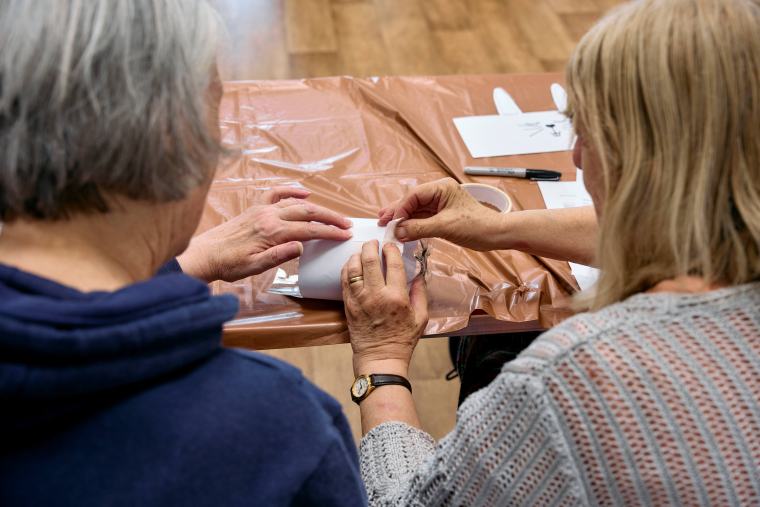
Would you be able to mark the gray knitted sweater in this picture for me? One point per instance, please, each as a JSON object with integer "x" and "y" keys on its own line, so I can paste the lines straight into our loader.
{"x": 652, "y": 401}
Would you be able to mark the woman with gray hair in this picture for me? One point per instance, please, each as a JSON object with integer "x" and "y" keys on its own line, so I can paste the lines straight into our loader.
{"x": 113, "y": 384}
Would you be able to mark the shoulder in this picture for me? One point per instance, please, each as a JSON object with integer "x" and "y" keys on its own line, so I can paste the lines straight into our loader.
{"x": 244, "y": 399}
{"x": 274, "y": 389}
{"x": 568, "y": 338}
{"x": 288, "y": 380}
{"x": 641, "y": 319}
{"x": 234, "y": 429}
{"x": 585, "y": 331}
{"x": 254, "y": 417}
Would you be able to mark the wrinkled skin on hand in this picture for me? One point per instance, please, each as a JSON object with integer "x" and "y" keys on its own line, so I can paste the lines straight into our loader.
{"x": 443, "y": 209}
{"x": 384, "y": 321}
{"x": 262, "y": 237}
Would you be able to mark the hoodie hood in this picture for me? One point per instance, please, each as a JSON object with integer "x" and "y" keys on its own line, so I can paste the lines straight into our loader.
{"x": 59, "y": 343}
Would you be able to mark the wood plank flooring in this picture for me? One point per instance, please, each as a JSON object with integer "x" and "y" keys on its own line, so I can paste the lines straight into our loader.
{"x": 294, "y": 39}
{"x": 329, "y": 367}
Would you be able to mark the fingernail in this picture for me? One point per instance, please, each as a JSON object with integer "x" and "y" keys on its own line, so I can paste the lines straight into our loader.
{"x": 349, "y": 223}
{"x": 296, "y": 249}
{"x": 400, "y": 232}
{"x": 350, "y": 234}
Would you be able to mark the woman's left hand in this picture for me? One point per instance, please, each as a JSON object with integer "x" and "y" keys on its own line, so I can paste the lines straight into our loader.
{"x": 262, "y": 237}
{"x": 384, "y": 321}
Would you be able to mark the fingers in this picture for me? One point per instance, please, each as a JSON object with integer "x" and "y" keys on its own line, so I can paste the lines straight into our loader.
{"x": 418, "y": 298}
{"x": 307, "y": 221}
{"x": 305, "y": 231}
{"x": 344, "y": 279}
{"x": 412, "y": 230}
{"x": 276, "y": 194}
{"x": 308, "y": 212}
{"x": 373, "y": 273}
{"x": 352, "y": 269}
{"x": 431, "y": 197}
{"x": 386, "y": 214}
{"x": 273, "y": 257}
{"x": 354, "y": 266}
{"x": 395, "y": 273}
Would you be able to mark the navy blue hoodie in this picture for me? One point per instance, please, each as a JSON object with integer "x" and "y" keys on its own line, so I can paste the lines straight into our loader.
{"x": 127, "y": 398}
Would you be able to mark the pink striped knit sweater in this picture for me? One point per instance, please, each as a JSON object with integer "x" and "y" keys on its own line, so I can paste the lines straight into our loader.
{"x": 652, "y": 401}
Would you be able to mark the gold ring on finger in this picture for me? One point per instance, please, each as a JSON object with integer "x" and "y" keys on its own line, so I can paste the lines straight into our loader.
{"x": 355, "y": 279}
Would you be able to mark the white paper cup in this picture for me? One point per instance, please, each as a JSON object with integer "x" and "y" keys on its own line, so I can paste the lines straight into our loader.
{"x": 489, "y": 195}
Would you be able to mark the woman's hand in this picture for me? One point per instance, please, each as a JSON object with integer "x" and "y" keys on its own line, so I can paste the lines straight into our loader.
{"x": 384, "y": 321}
{"x": 262, "y": 237}
{"x": 443, "y": 209}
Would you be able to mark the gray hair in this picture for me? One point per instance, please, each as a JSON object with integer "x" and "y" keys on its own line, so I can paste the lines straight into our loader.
{"x": 103, "y": 96}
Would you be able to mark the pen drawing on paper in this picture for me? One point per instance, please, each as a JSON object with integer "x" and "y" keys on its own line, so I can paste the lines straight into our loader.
{"x": 516, "y": 134}
{"x": 513, "y": 132}
{"x": 554, "y": 129}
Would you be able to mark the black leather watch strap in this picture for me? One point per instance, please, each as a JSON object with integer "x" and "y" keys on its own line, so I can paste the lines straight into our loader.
{"x": 386, "y": 379}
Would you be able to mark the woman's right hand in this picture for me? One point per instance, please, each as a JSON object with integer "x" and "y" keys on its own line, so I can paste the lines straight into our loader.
{"x": 262, "y": 237}
{"x": 443, "y": 209}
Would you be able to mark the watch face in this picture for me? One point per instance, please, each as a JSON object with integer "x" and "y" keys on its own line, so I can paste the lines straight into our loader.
{"x": 360, "y": 387}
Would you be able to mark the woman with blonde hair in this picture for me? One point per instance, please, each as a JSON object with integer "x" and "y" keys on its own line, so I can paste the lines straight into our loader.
{"x": 650, "y": 398}
{"x": 114, "y": 387}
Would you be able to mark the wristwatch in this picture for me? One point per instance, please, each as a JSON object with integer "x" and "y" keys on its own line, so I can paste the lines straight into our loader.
{"x": 365, "y": 384}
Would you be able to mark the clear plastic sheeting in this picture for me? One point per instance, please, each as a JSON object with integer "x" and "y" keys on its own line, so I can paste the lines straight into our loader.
{"x": 357, "y": 145}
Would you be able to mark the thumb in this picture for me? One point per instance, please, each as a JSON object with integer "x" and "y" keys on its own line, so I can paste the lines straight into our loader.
{"x": 274, "y": 256}
{"x": 411, "y": 230}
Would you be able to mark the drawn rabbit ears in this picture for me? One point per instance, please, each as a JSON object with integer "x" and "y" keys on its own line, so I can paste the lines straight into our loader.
{"x": 506, "y": 105}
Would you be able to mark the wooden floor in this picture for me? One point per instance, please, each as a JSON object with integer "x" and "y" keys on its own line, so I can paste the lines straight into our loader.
{"x": 293, "y": 39}
{"x": 290, "y": 39}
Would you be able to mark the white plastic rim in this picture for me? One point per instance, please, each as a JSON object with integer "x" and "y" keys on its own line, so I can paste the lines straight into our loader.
{"x": 490, "y": 195}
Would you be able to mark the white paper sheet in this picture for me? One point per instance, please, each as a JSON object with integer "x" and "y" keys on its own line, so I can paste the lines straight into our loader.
{"x": 559, "y": 194}
{"x": 584, "y": 198}
{"x": 570, "y": 194}
{"x": 559, "y": 95}
{"x": 322, "y": 261}
{"x": 585, "y": 276}
{"x": 515, "y": 134}
{"x": 505, "y": 104}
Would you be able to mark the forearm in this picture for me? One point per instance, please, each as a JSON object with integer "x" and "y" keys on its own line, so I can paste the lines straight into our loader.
{"x": 568, "y": 234}
{"x": 386, "y": 403}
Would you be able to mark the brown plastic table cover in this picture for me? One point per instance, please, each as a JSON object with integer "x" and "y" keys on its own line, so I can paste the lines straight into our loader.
{"x": 359, "y": 144}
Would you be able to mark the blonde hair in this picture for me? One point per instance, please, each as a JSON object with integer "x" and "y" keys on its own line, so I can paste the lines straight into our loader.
{"x": 667, "y": 92}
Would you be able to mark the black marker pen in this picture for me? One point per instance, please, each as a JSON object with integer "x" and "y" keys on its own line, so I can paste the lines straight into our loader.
{"x": 512, "y": 172}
